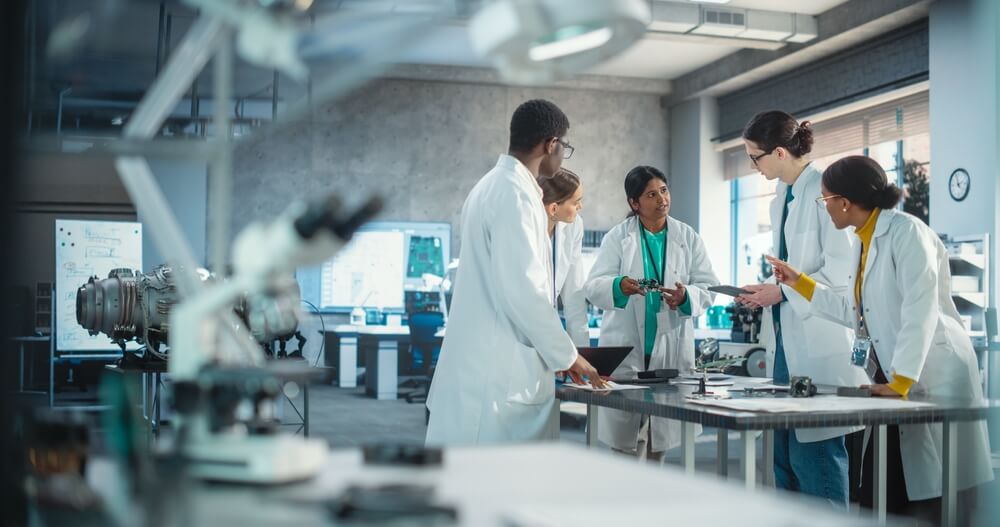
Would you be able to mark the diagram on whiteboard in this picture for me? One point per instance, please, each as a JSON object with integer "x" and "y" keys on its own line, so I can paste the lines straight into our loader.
{"x": 368, "y": 272}
{"x": 83, "y": 249}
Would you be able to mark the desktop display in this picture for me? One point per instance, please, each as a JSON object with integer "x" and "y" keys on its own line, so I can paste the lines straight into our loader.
{"x": 382, "y": 262}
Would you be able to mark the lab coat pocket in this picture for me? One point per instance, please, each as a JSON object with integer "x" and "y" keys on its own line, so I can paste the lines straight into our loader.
{"x": 530, "y": 381}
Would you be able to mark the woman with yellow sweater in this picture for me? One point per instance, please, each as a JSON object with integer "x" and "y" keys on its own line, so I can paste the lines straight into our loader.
{"x": 909, "y": 334}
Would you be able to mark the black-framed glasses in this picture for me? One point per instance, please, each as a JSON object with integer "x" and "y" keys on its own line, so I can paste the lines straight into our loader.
{"x": 755, "y": 158}
{"x": 567, "y": 149}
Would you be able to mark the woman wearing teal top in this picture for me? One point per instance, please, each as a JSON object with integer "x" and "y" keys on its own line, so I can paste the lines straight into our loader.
{"x": 655, "y": 323}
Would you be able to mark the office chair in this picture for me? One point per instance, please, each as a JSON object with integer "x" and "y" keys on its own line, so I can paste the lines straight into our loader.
{"x": 423, "y": 326}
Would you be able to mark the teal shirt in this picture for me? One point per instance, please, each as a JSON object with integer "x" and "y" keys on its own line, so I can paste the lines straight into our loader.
{"x": 654, "y": 303}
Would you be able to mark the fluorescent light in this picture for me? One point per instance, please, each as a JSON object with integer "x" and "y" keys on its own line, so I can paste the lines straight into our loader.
{"x": 570, "y": 40}
{"x": 711, "y": 1}
{"x": 539, "y": 41}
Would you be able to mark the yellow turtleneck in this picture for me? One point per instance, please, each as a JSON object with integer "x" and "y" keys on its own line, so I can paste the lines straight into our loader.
{"x": 806, "y": 286}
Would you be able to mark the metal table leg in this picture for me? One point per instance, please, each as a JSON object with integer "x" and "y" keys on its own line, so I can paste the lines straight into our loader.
{"x": 305, "y": 409}
{"x": 722, "y": 452}
{"x": 20, "y": 376}
{"x": 879, "y": 469}
{"x": 769, "y": 458}
{"x": 687, "y": 447}
{"x": 748, "y": 458}
{"x": 591, "y": 425}
{"x": 949, "y": 473}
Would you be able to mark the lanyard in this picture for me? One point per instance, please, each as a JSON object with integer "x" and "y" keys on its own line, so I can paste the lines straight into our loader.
{"x": 862, "y": 326}
{"x": 659, "y": 275}
{"x": 879, "y": 375}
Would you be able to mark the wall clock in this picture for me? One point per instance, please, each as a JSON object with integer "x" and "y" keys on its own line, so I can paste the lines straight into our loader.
{"x": 958, "y": 184}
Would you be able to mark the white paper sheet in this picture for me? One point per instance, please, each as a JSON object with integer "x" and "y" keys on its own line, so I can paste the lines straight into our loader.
{"x": 612, "y": 387}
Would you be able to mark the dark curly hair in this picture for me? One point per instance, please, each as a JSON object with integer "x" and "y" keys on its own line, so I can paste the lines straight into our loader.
{"x": 534, "y": 122}
{"x": 775, "y": 128}
{"x": 862, "y": 181}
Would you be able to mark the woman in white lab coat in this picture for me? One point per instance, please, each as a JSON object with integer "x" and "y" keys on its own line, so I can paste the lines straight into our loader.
{"x": 901, "y": 284}
{"x": 813, "y": 461}
{"x": 562, "y": 195}
{"x": 656, "y": 324}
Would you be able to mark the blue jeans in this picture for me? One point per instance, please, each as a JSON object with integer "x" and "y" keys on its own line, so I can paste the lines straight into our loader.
{"x": 818, "y": 469}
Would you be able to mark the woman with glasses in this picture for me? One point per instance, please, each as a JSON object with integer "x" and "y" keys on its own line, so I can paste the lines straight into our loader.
{"x": 910, "y": 338}
{"x": 813, "y": 461}
{"x": 655, "y": 320}
{"x": 562, "y": 196}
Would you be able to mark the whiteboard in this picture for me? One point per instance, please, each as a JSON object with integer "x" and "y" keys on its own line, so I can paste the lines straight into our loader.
{"x": 86, "y": 248}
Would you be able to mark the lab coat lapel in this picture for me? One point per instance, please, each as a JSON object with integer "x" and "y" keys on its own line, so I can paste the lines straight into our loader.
{"x": 676, "y": 249}
{"x": 881, "y": 227}
{"x": 632, "y": 258}
{"x": 562, "y": 256}
{"x": 776, "y": 207}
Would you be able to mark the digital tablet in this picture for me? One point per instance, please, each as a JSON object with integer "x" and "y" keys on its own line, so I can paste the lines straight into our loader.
{"x": 728, "y": 290}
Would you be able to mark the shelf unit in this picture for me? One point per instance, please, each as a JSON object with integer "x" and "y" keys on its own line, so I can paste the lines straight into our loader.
{"x": 969, "y": 259}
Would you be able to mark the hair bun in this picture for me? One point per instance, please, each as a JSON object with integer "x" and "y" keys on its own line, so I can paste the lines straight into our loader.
{"x": 888, "y": 197}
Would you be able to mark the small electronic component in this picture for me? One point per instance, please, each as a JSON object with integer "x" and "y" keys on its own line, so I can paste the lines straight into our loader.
{"x": 402, "y": 455}
{"x": 648, "y": 284}
{"x": 801, "y": 387}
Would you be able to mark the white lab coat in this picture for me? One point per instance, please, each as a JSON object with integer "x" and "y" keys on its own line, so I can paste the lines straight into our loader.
{"x": 494, "y": 381}
{"x": 813, "y": 347}
{"x": 621, "y": 254}
{"x": 916, "y": 332}
{"x": 569, "y": 279}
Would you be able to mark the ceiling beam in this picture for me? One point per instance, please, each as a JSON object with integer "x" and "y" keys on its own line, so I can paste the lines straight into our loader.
{"x": 840, "y": 28}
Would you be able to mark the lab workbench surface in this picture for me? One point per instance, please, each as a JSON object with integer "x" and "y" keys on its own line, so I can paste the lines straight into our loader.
{"x": 671, "y": 401}
{"x": 536, "y": 485}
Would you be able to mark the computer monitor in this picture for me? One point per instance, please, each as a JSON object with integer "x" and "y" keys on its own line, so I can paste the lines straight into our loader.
{"x": 383, "y": 260}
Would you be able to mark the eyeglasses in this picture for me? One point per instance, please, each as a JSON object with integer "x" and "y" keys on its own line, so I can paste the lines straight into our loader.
{"x": 755, "y": 158}
{"x": 822, "y": 199}
{"x": 567, "y": 149}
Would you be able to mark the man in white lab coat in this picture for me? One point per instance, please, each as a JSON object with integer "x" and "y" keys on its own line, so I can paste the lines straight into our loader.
{"x": 494, "y": 381}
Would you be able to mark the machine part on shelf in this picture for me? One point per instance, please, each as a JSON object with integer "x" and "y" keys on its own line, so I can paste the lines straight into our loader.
{"x": 131, "y": 305}
{"x": 128, "y": 305}
{"x": 801, "y": 387}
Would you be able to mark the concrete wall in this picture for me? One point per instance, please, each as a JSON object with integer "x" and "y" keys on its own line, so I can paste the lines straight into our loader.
{"x": 700, "y": 194}
{"x": 422, "y": 145}
{"x": 882, "y": 64}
